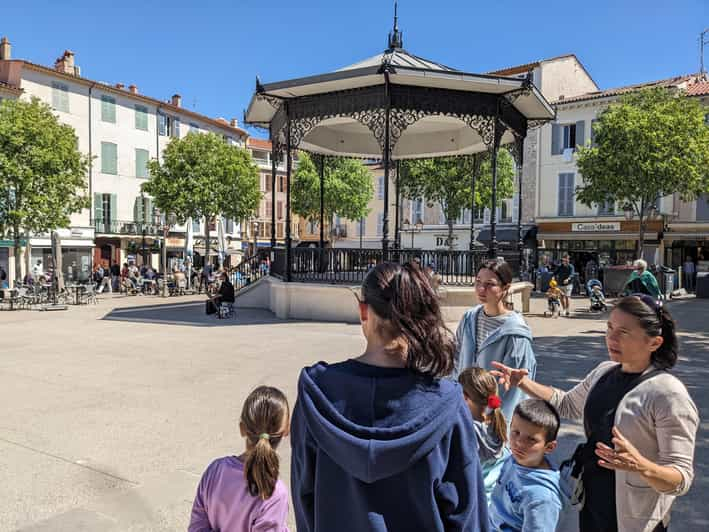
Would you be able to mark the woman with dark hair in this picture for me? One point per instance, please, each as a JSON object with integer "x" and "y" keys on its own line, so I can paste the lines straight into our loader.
{"x": 490, "y": 332}
{"x": 382, "y": 442}
{"x": 639, "y": 419}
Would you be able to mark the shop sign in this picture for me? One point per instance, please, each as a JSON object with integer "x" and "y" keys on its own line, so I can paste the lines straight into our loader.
{"x": 175, "y": 242}
{"x": 442, "y": 242}
{"x": 597, "y": 227}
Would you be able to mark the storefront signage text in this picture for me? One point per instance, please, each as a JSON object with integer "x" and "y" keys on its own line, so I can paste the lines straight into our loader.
{"x": 599, "y": 227}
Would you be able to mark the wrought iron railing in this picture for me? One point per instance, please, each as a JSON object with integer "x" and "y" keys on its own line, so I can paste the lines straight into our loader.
{"x": 248, "y": 271}
{"x": 125, "y": 227}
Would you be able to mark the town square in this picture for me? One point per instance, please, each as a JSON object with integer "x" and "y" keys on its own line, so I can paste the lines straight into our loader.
{"x": 417, "y": 279}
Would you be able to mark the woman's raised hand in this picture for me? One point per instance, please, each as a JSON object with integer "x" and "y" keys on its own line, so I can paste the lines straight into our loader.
{"x": 507, "y": 376}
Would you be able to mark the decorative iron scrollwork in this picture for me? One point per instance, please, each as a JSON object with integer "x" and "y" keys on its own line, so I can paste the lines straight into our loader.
{"x": 270, "y": 100}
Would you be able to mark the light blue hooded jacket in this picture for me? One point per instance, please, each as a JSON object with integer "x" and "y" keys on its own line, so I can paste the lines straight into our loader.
{"x": 510, "y": 344}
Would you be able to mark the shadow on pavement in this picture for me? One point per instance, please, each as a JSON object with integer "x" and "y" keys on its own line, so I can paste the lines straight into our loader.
{"x": 191, "y": 314}
{"x": 564, "y": 361}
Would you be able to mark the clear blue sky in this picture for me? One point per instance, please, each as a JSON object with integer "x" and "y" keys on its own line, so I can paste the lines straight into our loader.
{"x": 210, "y": 51}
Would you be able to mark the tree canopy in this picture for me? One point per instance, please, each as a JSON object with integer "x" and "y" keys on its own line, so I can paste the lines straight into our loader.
{"x": 348, "y": 188}
{"x": 649, "y": 144}
{"x": 447, "y": 181}
{"x": 201, "y": 176}
{"x": 43, "y": 175}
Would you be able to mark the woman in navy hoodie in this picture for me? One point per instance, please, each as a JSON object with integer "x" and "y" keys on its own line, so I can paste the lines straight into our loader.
{"x": 381, "y": 442}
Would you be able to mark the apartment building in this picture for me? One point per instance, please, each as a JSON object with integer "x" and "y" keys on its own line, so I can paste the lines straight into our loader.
{"x": 605, "y": 233}
{"x": 121, "y": 130}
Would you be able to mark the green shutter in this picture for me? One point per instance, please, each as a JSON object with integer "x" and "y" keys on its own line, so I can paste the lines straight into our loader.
{"x": 60, "y": 97}
{"x": 580, "y": 130}
{"x": 141, "y": 162}
{"x": 98, "y": 213}
{"x": 141, "y": 117}
{"x": 138, "y": 210}
{"x": 109, "y": 158}
{"x": 148, "y": 213}
{"x": 108, "y": 109}
{"x": 114, "y": 208}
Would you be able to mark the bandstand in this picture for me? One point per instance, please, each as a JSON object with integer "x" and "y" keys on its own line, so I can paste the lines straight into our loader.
{"x": 393, "y": 106}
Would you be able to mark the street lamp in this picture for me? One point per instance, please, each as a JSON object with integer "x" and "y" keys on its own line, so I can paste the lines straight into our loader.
{"x": 164, "y": 223}
{"x": 414, "y": 228}
{"x": 255, "y": 232}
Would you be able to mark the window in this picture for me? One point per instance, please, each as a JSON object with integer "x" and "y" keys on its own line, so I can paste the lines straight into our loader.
{"x": 141, "y": 162}
{"x": 269, "y": 209}
{"x": 175, "y": 130}
{"x": 141, "y": 117}
{"x": 143, "y": 210}
{"x": 606, "y": 209}
{"x": 195, "y": 226}
{"x": 60, "y": 97}
{"x": 108, "y": 109}
{"x": 566, "y": 136}
{"x": 281, "y": 183}
{"x": 229, "y": 226}
{"x": 194, "y": 127}
{"x": 168, "y": 126}
{"x": 416, "y": 211}
{"x": 269, "y": 185}
{"x": 104, "y": 212}
{"x": 566, "y": 194}
{"x": 313, "y": 227}
{"x": 279, "y": 210}
{"x": 380, "y": 187}
{"x": 109, "y": 158}
{"x": 703, "y": 208}
{"x": 380, "y": 224}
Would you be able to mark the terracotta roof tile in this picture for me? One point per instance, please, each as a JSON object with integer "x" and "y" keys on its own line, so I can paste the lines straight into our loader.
{"x": 700, "y": 88}
{"x": 260, "y": 144}
{"x": 669, "y": 82}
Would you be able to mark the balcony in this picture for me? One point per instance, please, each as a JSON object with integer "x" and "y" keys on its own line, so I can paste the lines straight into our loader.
{"x": 125, "y": 227}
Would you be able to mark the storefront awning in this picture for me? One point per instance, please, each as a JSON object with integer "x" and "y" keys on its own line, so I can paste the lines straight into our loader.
{"x": 507, "y": 234}
{"x": 594, "y": 236}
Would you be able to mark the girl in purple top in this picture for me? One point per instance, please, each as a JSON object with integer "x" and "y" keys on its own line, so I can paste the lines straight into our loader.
{"x": 243, "y": 494}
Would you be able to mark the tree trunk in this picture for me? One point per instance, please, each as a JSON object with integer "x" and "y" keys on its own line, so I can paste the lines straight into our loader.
{"x": 18, "y": 261}
{"x": 450, "y": 233}
{"x": 641, "y": 240}
{"x": 207, "y": 221}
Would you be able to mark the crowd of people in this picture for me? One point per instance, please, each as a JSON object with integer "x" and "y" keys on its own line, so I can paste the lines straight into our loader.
{"x": 431, "y": 430}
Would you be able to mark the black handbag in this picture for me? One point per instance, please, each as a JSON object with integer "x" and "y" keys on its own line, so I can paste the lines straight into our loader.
{"x": 210, "y": 307}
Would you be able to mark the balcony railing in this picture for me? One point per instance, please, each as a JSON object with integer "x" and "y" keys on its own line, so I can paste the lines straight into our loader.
{"x": 125, "y": 227}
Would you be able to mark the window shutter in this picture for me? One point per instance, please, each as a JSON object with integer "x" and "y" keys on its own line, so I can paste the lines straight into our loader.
{"x": 138, "y": 210}
{"x": 108, "y": 109}
{"x": 141, "y": 162}
{"x": 230, "y": 226}
{"x": 561, "y": 205}
{"x": 162, "y": 124}
{"x": 580, "y": 126}
{"x": 148, "y": 211}
{"x": 109, "y": 158}
{"x": 195, "y": 226}
{"x": 98, "y": 212}
{"x": 141, "y": 117}
{"x": 113, "y": 203}
{"x": 176, "y": 127}
{"x": 556, "y": 139}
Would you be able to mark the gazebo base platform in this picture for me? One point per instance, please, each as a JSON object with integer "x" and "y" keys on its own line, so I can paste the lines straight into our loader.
{"x": 337, "y": 303}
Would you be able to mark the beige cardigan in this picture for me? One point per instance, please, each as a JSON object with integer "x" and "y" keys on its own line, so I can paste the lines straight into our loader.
{"x": 660, "y": 419}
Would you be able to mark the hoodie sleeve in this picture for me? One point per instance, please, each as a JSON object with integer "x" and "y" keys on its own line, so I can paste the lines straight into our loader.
{"x": 519, "y": 355}
{"x": 466, "y": 344}
{"x": 541, "y": 514}
{"x": 302, "y": 471}
{"x": 460, "y": 494}
{"x": 199, "y": 520}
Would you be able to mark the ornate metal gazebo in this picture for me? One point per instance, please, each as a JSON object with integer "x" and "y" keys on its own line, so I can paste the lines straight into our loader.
{"x": 396, "y": 106}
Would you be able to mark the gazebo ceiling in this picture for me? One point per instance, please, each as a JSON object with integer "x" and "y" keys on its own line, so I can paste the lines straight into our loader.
{"x": 435, "y": 110}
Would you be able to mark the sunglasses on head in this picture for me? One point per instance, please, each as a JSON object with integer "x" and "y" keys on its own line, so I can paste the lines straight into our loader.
{"x": 654, "y": 304}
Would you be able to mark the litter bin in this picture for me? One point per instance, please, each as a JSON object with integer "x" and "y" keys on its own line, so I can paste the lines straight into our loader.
{"x": 702, "y": 288}
{"x": 668, "y": 281}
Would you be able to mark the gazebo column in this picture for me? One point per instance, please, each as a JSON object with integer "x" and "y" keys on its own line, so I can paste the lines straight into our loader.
{"x": 387, "y": 158}
{"x": 289, "y": 157}
{"x": 397, "y": 221}
{"x": 492, "y": 251}
{"x": 520, "y": 163}
{"x": 322, "y": 203}
{"x": 475, "y": 159}
{"x": 274, "y": 163}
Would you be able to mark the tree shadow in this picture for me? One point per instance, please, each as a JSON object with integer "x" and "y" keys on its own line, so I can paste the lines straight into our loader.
{"x": 192, "y": 314}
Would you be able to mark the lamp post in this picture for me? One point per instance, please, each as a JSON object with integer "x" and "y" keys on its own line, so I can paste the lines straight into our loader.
{"x": 414, "y": 228}
{"x": 255, "y": 228}
{"x": 165, "y": 222}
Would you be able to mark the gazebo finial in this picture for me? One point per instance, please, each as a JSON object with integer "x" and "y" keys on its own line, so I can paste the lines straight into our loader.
{"x": 396, "y": 40}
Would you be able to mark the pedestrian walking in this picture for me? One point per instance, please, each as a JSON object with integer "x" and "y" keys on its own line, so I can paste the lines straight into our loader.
{"x": 639, "y": 420}
{"x": 383, "y": 442}
{"x": 3, "y": 278}
{"x": 115, "y": 276}
{"x": 564, "y": 275}
{"x": 490, "y": 332}
{"x": 243, "y": 493}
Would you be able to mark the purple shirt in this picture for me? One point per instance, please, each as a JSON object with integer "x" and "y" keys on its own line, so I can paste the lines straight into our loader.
{"x": 223, "y": 502}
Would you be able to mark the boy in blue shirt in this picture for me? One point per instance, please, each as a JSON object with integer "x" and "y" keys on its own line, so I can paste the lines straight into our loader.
{"x": 528, "y": 496}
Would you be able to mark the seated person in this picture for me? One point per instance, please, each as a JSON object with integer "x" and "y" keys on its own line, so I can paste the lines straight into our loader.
{"x": 225, "y": 293}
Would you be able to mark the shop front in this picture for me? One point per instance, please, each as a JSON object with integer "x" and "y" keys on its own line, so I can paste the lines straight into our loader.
{"x": 596, "y": 244}
{"x": 686, "y": 243}
{"x": 77, "y": 253}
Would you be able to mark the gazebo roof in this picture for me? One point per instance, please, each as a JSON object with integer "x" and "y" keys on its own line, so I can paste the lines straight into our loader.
{"x": 443, "y": 131}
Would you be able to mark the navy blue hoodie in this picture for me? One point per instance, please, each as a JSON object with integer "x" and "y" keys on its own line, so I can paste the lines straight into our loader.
{"x": 383, "y": 449}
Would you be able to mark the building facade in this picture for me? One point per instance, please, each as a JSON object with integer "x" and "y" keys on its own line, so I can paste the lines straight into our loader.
{"x": 120, "y": 130}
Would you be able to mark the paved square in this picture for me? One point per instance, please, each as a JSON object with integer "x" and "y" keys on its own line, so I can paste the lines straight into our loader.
{"x": 109, "y": 413}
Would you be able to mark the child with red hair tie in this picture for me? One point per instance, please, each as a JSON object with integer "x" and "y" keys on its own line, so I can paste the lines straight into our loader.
{"x": 480, "y": 391}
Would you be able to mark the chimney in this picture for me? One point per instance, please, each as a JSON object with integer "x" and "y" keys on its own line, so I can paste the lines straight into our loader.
{"x": 133, "y": 89}
{"x": 5, "y": 49}
{"x": 65, "y": 64}
{"x": 120, "y": 86}
{"x": 176, "y": 100}
{"x": 234, "y": 122}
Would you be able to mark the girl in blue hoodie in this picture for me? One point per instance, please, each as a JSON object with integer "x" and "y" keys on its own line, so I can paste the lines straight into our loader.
{"x": 489, "y": 332}
{"x": 382, "y": 442}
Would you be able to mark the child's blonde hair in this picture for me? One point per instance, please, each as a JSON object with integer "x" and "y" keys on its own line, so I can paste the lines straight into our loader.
{"x": 264, "y": 419}
{"x": 479, "y": 386}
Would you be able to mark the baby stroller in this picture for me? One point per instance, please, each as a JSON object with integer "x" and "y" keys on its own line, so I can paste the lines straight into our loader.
{"x": 597, "y": 298}
{"x": 553, "y": 300}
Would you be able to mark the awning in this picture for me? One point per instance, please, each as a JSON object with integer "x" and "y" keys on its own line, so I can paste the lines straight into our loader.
{"x": 507, "y": 234}
{"x": 595, "y": 236}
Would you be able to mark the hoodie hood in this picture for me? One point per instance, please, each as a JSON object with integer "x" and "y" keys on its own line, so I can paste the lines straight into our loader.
{"x": 376, "y": 422}
{"x": 539, "y": 479}
{"x": 514, "y": 325}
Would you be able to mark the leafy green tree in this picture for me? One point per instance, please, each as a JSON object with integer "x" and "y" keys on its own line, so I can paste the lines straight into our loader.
{"x": 649, "y": 144}
{"x": 43, "y": 176}
{"x": 201, "y": 176}
{"x": 348, "y": 188}
{"x": 447, "y": 181}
